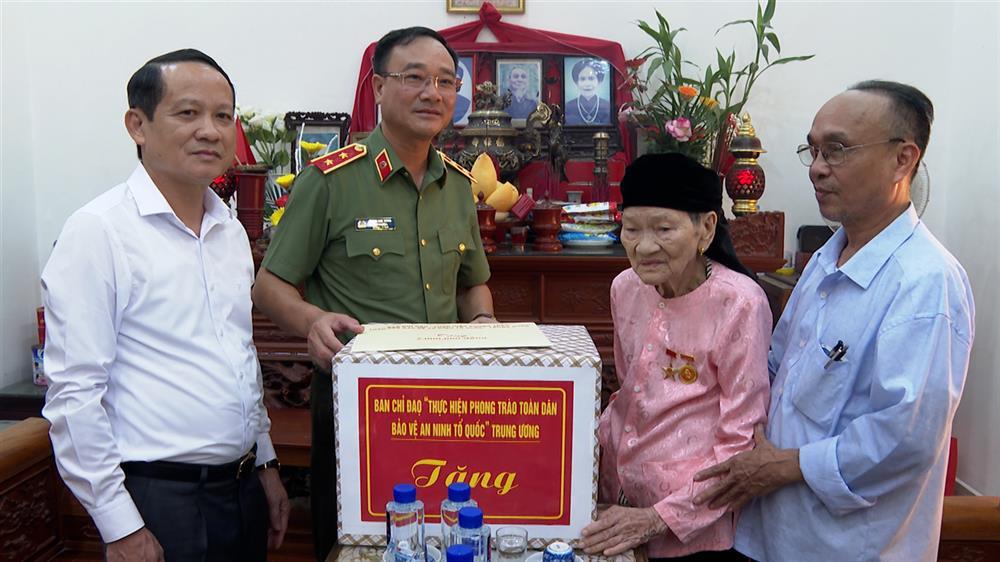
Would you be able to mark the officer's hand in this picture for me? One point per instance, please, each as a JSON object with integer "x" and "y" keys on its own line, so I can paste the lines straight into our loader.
{"x": 140, "y": 546}
{"x": 322, "y": 338}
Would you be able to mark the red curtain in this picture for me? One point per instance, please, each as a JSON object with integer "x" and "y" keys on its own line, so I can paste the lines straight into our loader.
{"x": 511, "y": 39}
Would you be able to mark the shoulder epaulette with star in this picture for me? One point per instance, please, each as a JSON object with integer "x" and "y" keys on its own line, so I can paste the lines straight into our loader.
{"x": 333, "y": 160}
{"x": 457, "y": 166}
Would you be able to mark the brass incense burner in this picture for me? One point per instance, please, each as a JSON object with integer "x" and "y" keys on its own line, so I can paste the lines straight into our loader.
{"x": 490, "y": 131}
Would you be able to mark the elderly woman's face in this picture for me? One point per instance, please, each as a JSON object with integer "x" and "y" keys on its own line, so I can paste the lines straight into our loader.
{"x": 587, "y": 82}
{"x": 663, "y": 244}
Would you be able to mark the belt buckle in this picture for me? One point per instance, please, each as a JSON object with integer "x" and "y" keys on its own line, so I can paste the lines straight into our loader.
{"x": 249, "y": 457}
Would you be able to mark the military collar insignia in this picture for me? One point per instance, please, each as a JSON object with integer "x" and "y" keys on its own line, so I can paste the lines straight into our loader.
{"x": 383, "y": 165}
{"x": 338, "y": 158}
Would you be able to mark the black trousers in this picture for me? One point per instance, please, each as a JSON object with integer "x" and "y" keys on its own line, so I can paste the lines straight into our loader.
{"x": 222, "y": 521}
{"x": 323, "y": 469}
{"x": 707, "y": 556}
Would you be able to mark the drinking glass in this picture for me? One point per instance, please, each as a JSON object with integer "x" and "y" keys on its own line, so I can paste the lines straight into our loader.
{"x": 511, "y": 544}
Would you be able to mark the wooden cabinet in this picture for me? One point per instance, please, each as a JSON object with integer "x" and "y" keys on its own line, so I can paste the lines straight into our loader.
{"x": 571, "y": 287}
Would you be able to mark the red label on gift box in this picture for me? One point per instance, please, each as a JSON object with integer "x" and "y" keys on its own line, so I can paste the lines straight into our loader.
{"x": 511, "y": 441}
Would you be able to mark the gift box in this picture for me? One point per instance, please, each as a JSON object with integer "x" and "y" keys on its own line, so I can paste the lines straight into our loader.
{"x": 518, "y": 425}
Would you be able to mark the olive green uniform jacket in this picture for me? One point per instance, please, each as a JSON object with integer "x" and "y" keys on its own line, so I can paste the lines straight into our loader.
{"x": 369, "y": 243}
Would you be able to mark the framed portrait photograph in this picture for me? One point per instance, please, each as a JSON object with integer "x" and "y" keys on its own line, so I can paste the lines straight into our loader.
{"x": 472, "y": 6}
{"x": 463, "y": 103}
{"x": 316, "y": 126}
{"x": 523, "y": 79}
{"x": 587, "y": 91}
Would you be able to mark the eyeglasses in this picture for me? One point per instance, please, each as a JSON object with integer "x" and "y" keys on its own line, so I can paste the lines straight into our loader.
{"x": 834, "y": 153}
{"x": 419, "y": 81}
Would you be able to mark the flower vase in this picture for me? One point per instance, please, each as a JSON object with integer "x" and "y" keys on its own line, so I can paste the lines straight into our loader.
{"x": 486, "y": 216}
{"x": 545, "y": 224}
{"x": 250, "y": 188}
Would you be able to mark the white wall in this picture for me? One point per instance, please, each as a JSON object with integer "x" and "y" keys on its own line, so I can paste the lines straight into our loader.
{"x": 969, "y": 126}
{"x": 19, "y": 259}
{"x": 306, "y": 56}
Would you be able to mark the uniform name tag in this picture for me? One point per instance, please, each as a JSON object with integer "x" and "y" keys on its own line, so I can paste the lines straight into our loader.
{"x": 375, "y": 223}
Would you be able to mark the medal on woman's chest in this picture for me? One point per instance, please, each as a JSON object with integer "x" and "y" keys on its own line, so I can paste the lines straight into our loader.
{"x": 687, "y": 373}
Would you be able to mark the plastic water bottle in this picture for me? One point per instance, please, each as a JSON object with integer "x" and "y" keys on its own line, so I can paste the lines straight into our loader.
{"x": 459, "y": 496}
{"x": 405, "y": 514}
{"x": 459, "y": 553}
{"x": 473, "y": 533}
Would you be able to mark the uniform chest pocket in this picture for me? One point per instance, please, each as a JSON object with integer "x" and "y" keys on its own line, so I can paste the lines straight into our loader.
{"x": 377, "y": 245}
{"x": 821, "y": 392}
{"x": 454, "y": 243}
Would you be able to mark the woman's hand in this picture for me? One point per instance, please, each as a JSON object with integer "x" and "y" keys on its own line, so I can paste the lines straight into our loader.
{"x": 619, "y": 529}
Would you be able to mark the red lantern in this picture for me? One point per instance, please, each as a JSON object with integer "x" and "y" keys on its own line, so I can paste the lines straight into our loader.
{"x": 745, "y": 180}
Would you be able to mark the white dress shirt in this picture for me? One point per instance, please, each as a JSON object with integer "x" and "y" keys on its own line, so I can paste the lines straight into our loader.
{"x": 872, "y": 428}
{"x": 149, "y": 348}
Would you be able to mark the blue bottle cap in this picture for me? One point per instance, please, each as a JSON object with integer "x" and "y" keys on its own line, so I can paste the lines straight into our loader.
{"x": 404, "y": 493}
{"x": 459, "y": 553}
{"x": 459, "y": 492}
{"x": 470, "y": 518}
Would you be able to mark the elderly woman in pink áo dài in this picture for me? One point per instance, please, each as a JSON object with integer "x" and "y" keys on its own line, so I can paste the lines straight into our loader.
{"x": 692, "y": 330}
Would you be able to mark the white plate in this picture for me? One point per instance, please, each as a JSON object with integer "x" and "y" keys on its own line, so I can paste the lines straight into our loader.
{"x": 585, "y": 243}
{"x": 537, "y": 557}
{"x": 433, "y": 554}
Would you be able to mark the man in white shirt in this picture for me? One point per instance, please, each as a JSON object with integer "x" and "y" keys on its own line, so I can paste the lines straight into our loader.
{"x": 155, "y": 393}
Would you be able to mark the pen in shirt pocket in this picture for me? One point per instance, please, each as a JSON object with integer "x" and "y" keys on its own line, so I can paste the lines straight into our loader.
{"x": 835, "y": 354}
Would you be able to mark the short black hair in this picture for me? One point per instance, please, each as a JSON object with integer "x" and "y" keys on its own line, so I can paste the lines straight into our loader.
{"x": 405, "y": 36}
{"x": 145, "y": 87}
{"x": 594, "y": 64}
{"x": 912, "y": 111}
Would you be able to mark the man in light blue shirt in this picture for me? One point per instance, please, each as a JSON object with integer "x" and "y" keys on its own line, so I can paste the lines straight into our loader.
{"x": 867, "y": 362}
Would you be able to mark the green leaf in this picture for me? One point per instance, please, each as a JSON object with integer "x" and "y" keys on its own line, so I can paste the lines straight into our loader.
{"x": 769, "y": 10}
{"x": 791, "y": 59}
{"x": 735, "y": 22}
{"x": 663, "y": 21}
{"x": 649, "y": 31}
{"x": 654, "y": 63}
{"x": 773, "y": 39}
{"x": 674, "y": 33}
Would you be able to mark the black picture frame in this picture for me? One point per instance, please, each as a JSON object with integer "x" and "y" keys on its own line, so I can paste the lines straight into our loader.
{"x": 463, "y": 102}
{"x": 316, "y": 126}
{"x": 531, "y": 70}
{"x": 599, "y": 111}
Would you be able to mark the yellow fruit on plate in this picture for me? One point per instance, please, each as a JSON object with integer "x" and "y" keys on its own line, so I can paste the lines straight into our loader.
{"x": 503, "y": 198}
{"x": 486, "y": 176}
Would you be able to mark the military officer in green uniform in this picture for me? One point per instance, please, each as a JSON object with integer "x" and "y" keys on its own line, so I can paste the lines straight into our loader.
{"x": 382, "y": 231}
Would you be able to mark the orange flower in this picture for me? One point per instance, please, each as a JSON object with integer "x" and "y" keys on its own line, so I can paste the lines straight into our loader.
{"x": 687, "y": 91}
{"x": 709, "y": 102}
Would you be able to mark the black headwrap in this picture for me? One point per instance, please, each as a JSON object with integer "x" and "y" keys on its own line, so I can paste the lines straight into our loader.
{"x": 674, "y": 181}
